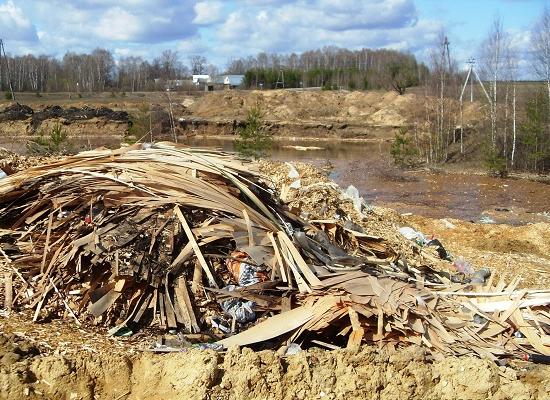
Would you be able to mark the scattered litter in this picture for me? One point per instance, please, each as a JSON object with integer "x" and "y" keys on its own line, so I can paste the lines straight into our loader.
{"x": 412, "y": 234}
{"x": 293, "y": 348}
{"x": 463, "y": 266}
{"x": 448, "y": 225}
{"x": 293, "y": 172}
{"x": 487, "y": 220}
{"x": 2, "y": 174}
{"x": 243, "y": 272}
{"x": 353, "y": 194}
{"x": 441, "y": 251}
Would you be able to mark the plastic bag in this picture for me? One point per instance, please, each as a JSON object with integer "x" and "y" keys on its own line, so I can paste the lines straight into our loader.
{"x": 243, "y": 273}
{"x": 411, "y": 234}
{"x": 240, "y": 309}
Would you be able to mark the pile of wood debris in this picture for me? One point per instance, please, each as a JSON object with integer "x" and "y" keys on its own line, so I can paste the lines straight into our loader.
{"x": 171, "y": 237}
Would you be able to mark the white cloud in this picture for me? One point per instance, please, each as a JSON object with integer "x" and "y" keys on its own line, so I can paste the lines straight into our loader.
{"x": 208, "y": 12}
{"x": 118, "y": 24}
{"x": 193, "y": 45}
{"x": 15, "y": 25}
{"x": 304, "y": 25}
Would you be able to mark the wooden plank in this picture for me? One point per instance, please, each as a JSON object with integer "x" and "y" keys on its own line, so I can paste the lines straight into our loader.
{"x": 104, "y": 303}
{"x": 356, "y": 336}
{"x": 144, "y": 305}
{"x": 302, "y": 285}
{"x": 182, "y": 296}
{"x": 531, "y": 334}
{"x": 195, "y": 246}
{"x": 248, "y": 228}
{"x": 197, "y": 278}
{"x": 309, "y": 276}
{"x": 271, "y": 328}
{"x": 8, "y": 293}
{"x": 278, "y": 258}
{"x": 162, "y": 324}
{"x": 47, "y": 243}
{"x": 169, "y": 309}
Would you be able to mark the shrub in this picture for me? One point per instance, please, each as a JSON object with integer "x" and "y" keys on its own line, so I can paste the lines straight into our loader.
{"x": 54, "y": 143}
{"x": 139, "y": 123}
{"x": 403, "y": 152}
{"x": 8, "y": 96}
{"x": 495, "y": 163}
{"x": 253, "y": 140}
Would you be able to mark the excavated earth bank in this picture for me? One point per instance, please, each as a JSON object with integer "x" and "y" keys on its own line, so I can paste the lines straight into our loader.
{"x": 369, "y": 373}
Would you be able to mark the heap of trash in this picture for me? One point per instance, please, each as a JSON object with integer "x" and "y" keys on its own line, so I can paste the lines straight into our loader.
{"x": 167, "y": 237}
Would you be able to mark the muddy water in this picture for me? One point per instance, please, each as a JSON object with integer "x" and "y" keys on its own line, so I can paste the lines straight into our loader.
{"x": 367, "y": 166}
{"x": 439, "y": 195}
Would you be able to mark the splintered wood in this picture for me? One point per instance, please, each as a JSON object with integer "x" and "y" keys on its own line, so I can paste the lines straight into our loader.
{"x": 144, "y": 236}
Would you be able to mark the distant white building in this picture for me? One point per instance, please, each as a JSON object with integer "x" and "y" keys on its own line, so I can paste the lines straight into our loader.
{"x": 229, "y": 81}
{"x": 198, "y": 79}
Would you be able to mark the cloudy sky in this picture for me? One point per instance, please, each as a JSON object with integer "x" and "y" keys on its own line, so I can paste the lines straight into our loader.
{"x": 220, "y": 30}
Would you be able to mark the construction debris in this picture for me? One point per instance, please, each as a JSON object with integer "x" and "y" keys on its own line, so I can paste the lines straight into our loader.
{"x": 196, "y": 240}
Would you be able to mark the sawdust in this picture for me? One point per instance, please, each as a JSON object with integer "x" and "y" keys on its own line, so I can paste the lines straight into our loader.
{"x": 367, "y": 373}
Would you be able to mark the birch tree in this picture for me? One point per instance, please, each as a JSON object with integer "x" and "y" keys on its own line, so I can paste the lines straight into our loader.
{"x": 492, "y": 62}
{"x": 511, "y": 75}
{"x": 541, "y": 48}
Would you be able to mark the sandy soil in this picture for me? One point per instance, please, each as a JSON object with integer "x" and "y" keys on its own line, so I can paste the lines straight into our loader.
{"x": 28, "y": 371}
{"x": 374, "y": 108}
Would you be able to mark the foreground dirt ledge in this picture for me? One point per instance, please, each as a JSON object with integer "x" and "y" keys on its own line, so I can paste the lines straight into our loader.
{"x": 367, "y": 373}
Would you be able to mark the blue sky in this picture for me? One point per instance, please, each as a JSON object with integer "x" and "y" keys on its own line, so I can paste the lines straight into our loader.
{"x": 220, "y": 30}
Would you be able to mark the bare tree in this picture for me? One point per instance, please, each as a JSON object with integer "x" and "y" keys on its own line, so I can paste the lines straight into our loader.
{"x": 492, "y": 63}
{"x": 198, "y": 64}
{"x": 541, "y": 47}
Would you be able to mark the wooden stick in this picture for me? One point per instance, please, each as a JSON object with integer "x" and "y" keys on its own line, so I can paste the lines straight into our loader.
{"x": 8, "y": 297}
{"x": 197, "y": 279}
{"x": 196, "y": 248}
{"x": 41, "y": 302}
{"x": 248, "y": 228}
{"x": 47, "y": 243}
{"x": 65, "y": 303}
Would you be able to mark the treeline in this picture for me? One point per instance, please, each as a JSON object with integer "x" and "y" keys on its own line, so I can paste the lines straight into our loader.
{"x": 96, "y": 71}
{"x": 332, "y": 68}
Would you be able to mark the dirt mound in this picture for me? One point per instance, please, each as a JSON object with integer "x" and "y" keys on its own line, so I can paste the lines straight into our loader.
{"x": 367, "y": 373}
{"x": 17, "y": 119}
{"x": 375, "y": 108}
{"x": 16, "y": 112}
{"x": 74, "y": 114}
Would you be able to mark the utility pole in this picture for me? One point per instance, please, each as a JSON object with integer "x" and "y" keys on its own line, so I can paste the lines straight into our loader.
{"x": 3, "y": 55}
{"x": 470, "y": 77}
{"x": 280, "y": 80}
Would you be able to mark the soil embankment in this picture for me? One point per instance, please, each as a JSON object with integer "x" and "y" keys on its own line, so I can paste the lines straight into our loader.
{"x": 312, "y": 113}
{"x": 28, "y": 372}
{"x": 20, "y": 121}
